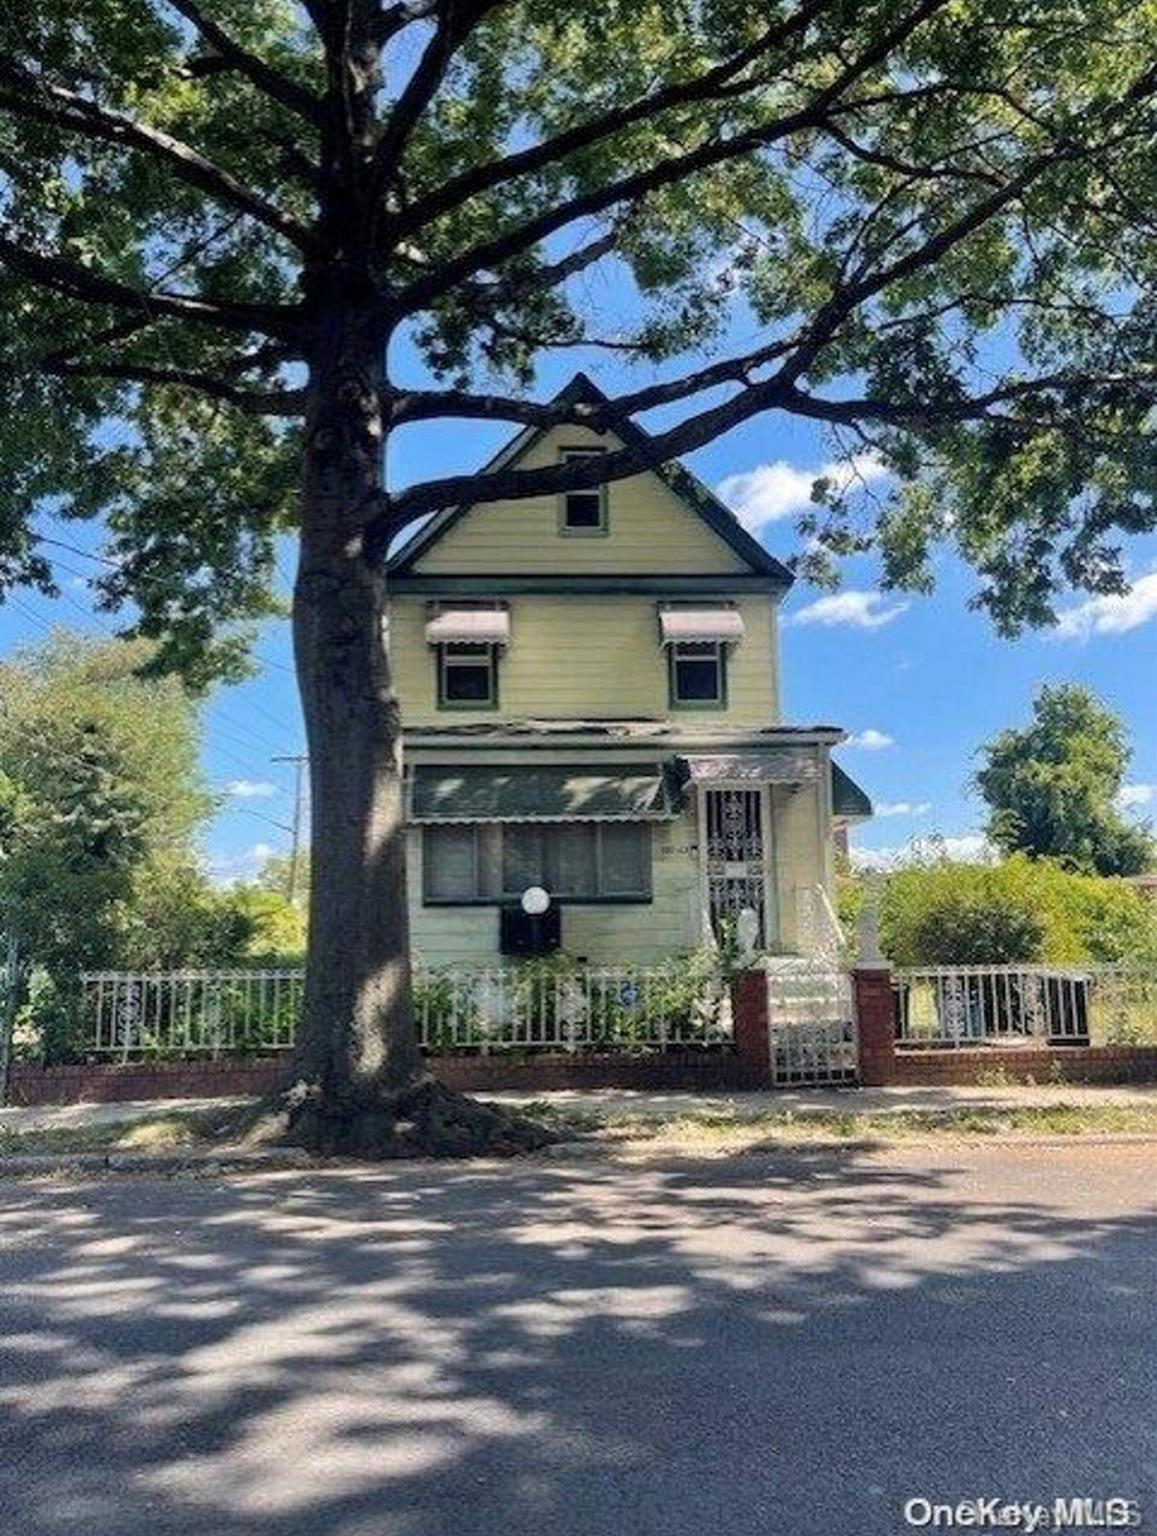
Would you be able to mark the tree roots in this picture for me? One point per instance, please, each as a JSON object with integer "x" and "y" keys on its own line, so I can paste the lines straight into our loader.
{"x": 426, "y": 1119}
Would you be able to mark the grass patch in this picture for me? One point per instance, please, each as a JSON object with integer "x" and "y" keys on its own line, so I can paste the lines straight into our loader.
{"x": 718, "y": 1131}
{"x": 166, "y": 1131}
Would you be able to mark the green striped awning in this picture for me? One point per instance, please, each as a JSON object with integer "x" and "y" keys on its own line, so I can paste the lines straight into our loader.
{"x": 546, "y": 792}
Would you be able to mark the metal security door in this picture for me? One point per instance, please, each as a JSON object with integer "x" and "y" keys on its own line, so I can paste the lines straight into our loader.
{"x": 736, "y": 838}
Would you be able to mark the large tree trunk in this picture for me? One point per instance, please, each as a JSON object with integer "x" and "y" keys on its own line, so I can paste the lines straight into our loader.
{"x": 359, "y": 1082}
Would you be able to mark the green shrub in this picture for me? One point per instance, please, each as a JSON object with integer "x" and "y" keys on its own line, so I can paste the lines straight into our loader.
{"x": 1017, "y": 912}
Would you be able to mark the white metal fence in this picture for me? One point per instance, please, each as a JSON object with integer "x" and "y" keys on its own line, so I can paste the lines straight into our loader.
{"x": 1079, "y": 1005}
{"x": 812, "y": 1023}
{"x": 126, "y": 1016}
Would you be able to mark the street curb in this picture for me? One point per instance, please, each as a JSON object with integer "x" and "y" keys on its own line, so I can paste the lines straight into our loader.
{"x": 233, "y": 1160}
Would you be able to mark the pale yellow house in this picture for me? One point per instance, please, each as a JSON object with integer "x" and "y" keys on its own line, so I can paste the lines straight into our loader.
{"x": 590, "y": 690}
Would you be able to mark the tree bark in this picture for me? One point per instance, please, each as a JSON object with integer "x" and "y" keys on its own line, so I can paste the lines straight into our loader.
{"x": 358, "y": 1041}
{"x": 358, "y": 1084}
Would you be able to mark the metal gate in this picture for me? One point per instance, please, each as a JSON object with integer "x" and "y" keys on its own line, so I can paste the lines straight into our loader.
{"x": 736, "y": 851}
{"x": 812, "y": 1023}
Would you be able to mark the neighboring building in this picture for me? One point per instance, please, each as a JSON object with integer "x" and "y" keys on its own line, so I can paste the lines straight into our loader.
{"x": 590, "y": 693}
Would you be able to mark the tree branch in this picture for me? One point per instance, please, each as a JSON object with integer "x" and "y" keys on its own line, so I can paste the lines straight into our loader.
{"x": 388, "y": 515}
{"x": 485, "y": 178}
{"x": 492, "y": 253}
{"x": 456, "y": 20}
{"x": 254, "y": 402}
{"x": 32, "y": 97}
{"x": 271, "y": 82}
{"x": 59, "y": 274}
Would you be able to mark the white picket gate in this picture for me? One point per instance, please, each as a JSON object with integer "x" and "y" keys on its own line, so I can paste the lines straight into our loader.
{"x": 812, "y": 1024}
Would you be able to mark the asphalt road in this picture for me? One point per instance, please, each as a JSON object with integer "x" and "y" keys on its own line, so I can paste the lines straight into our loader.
{"x": 794, "y": 1343}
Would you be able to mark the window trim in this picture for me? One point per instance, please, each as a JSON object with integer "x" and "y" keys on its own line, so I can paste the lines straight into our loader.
{"x": 604, "y": 523}
{"x": 440, "y": 664}
{"x": 479, "y": 829}
{"x": 673, "y": 699}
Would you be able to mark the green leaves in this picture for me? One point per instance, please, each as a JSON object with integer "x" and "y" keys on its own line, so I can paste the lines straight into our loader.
{"x": 1052, "y": 788}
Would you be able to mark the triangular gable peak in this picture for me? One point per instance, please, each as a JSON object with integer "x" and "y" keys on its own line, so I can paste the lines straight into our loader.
{"x": 661, "y": 521}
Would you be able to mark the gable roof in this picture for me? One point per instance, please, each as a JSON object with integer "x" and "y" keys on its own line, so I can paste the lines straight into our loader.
{"x": 678, "y": 478}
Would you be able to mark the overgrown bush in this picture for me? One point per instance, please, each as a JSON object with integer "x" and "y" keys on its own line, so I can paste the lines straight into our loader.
{"x": 1017, "y": 912}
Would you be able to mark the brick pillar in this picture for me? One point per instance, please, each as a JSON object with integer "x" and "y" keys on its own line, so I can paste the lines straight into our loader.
{"x": 749, "y": 1020}
{"x": 876, "y": 1021}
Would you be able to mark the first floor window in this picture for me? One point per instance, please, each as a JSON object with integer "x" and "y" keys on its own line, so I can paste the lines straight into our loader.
{"x": 584, "y": 861}
{"x": 467, "y": 676}
{"x": 698, "y": 673}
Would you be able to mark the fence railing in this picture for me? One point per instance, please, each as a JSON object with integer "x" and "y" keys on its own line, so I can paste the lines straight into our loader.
{"x": 1077, "y": 1005}
{"x": 812, "y": 1022}
{"x": 127, "y": 1016}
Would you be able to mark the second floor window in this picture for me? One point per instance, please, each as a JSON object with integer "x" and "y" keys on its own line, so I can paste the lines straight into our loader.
{"x": 698, "y": 674}
{"x": 585, "y": 511}
{"x": 467, "y": 676}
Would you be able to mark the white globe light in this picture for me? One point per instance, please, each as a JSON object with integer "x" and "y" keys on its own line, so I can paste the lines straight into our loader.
{"x": 535, "y": 900}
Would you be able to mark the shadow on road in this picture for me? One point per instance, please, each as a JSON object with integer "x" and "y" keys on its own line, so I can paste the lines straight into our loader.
{"x": 761, "y": 1344}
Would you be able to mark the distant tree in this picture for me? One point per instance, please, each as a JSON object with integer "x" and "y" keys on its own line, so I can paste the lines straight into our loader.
{"x": 102, "y": 792}
{"x": 1052, "y": 787}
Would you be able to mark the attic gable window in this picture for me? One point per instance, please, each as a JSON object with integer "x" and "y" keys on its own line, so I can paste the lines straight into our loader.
{"x": 583, "y": 513}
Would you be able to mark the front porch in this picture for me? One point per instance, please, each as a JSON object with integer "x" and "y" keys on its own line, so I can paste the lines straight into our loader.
{"x": 651, "y": 840}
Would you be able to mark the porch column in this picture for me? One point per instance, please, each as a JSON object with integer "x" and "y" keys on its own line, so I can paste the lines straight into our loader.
{"x": 875, "y": 1023}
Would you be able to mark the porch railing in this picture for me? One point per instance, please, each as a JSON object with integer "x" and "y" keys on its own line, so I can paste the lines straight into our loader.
{"x": 971, "y": 1005}
{"x": 126, "y": 1016}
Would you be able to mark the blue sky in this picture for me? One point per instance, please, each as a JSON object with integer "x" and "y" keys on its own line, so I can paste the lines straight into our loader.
{"x": 920, "y": 682}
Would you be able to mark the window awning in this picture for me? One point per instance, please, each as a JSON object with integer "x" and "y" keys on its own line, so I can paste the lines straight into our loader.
{"x": 548, "y": 792}
{"x": 776, "y": 765}
{"x": 469, "y": 626}
{"x": 677, "y": 624}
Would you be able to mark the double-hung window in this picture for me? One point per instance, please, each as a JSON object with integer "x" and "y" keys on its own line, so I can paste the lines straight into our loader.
{"x": 698, "y": 674}
{"x": 574, "y": 861}
{"x": 586, "y": 511}
{"x": 467, "y": 675}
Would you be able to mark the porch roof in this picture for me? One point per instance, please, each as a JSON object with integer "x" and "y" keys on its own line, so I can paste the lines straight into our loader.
{"x": 543, "y": 792}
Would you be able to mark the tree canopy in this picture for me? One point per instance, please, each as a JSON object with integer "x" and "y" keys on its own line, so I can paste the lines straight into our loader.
{"x": 1052, "y": 787}
{"x": 933, "y": 221}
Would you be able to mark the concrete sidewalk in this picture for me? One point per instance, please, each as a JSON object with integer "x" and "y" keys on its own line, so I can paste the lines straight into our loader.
{"x": 629, "y": 1104}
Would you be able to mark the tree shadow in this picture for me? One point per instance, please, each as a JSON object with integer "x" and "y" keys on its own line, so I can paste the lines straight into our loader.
{"x": 796, "y": 1342}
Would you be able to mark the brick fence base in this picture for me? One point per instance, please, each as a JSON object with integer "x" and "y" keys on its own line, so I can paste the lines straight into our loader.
{"x": 104, "y": 1082}
{"x": 1063, "y": 1063}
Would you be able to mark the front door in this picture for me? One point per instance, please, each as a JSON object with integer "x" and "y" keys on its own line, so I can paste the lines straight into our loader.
{"x": 736, "y": 838}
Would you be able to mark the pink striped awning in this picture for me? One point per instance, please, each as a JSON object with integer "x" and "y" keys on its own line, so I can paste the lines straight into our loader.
{"x": 676, "y": 624}
{"x": 469, "y": 626}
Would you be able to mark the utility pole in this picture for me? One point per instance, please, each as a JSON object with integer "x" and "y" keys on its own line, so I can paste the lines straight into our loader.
{"x": 300, "y": 761}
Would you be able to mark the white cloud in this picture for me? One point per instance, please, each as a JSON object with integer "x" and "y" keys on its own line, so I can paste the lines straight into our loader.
{"x": 967, "y": 847}
{"x": 860, "y": 610}
{"x": 870, "y": 740}
{"x": 1112, "y": 615}
{"x": 902, "y": 807}
{"x": 250, "y": 789}
{"x": 773, "y": 491}
{"x": 1133, "y": 795}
